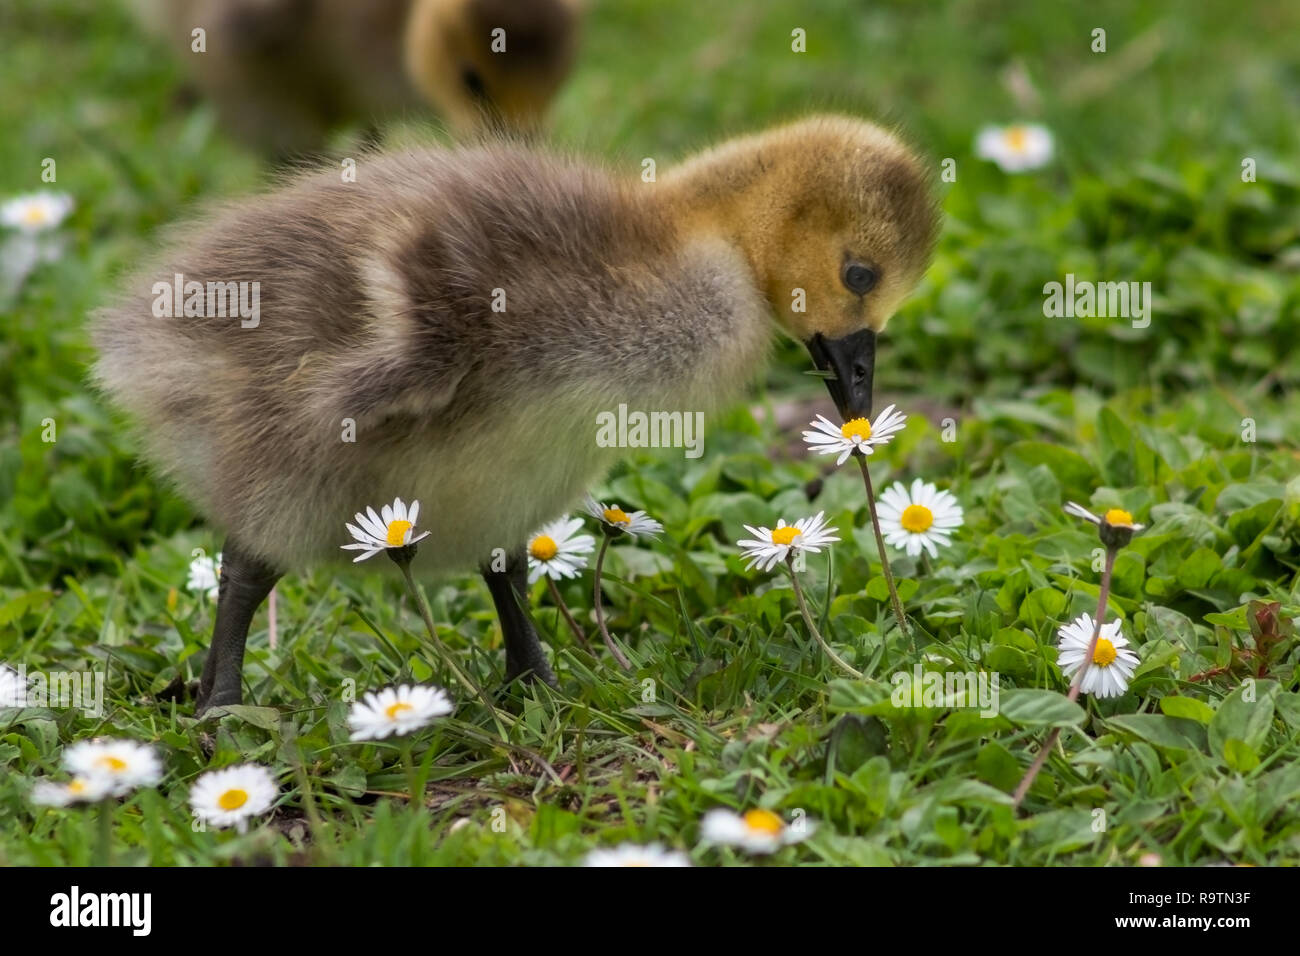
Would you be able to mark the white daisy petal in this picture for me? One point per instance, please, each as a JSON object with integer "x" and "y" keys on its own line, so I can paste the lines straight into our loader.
{"x": 556, "y": 551}
{"x": 124, "y": 764}
{"x": 1017, "y": 148}
{"x": 78, "y": 790}
{"x": 205, "y": 575}
{"x": 372, "y": 531}
{"x": 919, "y": 518}
{"x": 229, "y": 797}
{"x": 397, "y": 711}
{"x": 629, "y": 855}
{"x": 35, "y": 212}
{"x": 1079, "y": 511}
{"x": 1113, "y": 663}
{"x": 756, "y": 831}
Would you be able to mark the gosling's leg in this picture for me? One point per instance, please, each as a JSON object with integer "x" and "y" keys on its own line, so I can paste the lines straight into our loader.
{"x": 524, "y": 655}
{"x": 245, "y": 583}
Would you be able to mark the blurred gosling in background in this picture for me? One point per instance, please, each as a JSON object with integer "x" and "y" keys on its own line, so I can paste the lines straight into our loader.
{"x": 284, "y": 73}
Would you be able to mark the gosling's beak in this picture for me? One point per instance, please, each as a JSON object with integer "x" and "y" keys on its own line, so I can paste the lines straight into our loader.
{"x": 851, "y": 361}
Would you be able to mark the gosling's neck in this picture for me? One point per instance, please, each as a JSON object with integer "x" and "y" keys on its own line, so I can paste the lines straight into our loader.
{"x": 715, "y": 195}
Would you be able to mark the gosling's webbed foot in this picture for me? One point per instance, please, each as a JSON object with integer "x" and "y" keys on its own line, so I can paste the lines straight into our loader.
{"x": 525, "y": 659}
{"x": 245, "y": 583}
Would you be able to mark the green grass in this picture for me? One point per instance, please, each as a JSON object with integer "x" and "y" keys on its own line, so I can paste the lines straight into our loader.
{"x": 731, "y": 703}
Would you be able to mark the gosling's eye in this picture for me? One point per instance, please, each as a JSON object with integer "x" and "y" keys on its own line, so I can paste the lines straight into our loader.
{"x": 473, "y": 83}
{"x": 860, "y": 279}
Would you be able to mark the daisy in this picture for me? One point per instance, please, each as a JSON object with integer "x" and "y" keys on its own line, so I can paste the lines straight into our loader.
{"x": 1017, "y": 148}
{"x": 1115, "y": 517}
{"x": 557, "y": 552}
{"x": 1114, "y": 661}
{"x": 924, "y": 517}
{"x": 758, "y": 831}
{"x": 631, "y": 855}
{"x": 858, "y": 434}
{"x": 47, "y": 793}
{"x": 397, "y": 711}
{"x": 617, "y": 521}
{"x": 393, "y": 527}
{"x": 772, "y": 546}
{"x": 229, "y": 797}
{"x": 205, "y": 575}
{"x": 13, "y": 688}
{"x": 123, "y": 764}
{"x": 1115, "y": 528}
{"x": 36, "y": 212}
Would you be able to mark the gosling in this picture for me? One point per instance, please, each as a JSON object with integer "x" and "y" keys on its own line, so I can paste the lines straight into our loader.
{"x": 283, "y": 73}
{"x": 467, "y": 313}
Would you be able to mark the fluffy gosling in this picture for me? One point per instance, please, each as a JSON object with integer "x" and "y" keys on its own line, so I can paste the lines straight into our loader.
{"x": 283, "y": 73}
{"x": 379, "y": 312}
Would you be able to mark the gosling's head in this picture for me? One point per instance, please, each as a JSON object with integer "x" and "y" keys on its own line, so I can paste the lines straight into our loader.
{"x": 491, "y": 63}
{"x": 838, "y": 221}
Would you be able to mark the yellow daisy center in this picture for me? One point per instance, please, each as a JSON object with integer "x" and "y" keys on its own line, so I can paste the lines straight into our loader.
{"x": 543, "y": 547}
{"x": 785, "y": 535}
{"x": 232, "y": 799}
{"x": 35, "y": 215}
{"x": 916, "y": 518}
{"x": 77, "y": 786}
{"x": 1105, "y": 655}
{"x": 856, "y": 428}
{"x": 1119, "y": 517}
{"x": 617, "y": 516}
{"x": 397, "y": 533}
{"x": 1016, "y": 138}
{"x": 765, "y": 821}
{"x": 397, "y": 708}
{"x": 111, "y": 764}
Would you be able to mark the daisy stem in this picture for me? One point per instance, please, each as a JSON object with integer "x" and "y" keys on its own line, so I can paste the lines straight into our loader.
{"x": 104, "y": 851}
{"x": 1102, "y": 600}
{"x": 447, "y": 658}
{"x": 564, "y": 610}
{"x": 1075, "y": 684}
{"x": 884, "y": 557}
{"x": 411, "y": 781}
{"x": 812, "y": 628}
{"x": 623, "y": 662}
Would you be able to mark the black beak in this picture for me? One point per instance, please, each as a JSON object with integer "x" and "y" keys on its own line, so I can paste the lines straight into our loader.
{"x": 852, "y": 363}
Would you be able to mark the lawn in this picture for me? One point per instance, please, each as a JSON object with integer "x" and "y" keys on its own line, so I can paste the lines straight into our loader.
{"x": 1189, "y": 422}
